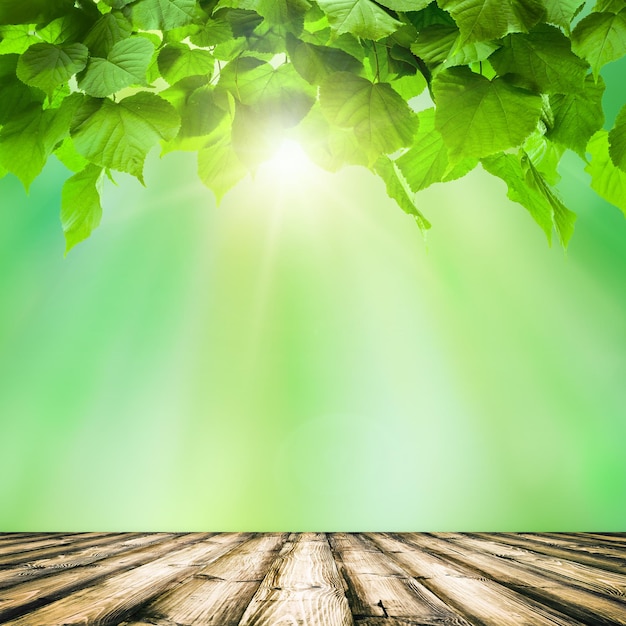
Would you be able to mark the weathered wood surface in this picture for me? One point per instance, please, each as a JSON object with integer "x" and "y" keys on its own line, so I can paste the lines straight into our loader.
{"x": 316, "y": 579}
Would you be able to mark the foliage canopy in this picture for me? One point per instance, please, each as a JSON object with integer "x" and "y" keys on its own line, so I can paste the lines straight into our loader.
{"x": 512, "y": 85}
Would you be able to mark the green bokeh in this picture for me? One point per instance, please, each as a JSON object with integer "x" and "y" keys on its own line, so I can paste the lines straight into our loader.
{"x": 298, "y": 358}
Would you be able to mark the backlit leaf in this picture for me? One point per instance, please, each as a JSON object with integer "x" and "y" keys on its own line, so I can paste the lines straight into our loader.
{"x": 600, "y": 38}
{"x": 163, "y": 14}
{"x": 27, "y": 141}
{"x": 81, "y": 210}
{"x": 577, "y": 116}
{"x": 118, "y": 135}
{"x": 16, "y": 39}
{"x": 617, "y": 140}
{"x": 478, "y": 117}
{"x": 526, "y": 186}
{"x": 381, "y": 119}
{"x": 314, "y": 63}
{"x": 327, "y": 145}
{"x": 287, "y": 14}
{"x": 405, "y": 5}
{"x": 606, "y": 179}
{"x": 362, "y": 18}
{"x": 398, "y": 191}
{"x": 125, "y": 65}
{"x": 483, "y": 20}
{"x": 106, "y": 32}
{"x": 426, "y": 162}
{"x": 177, "y": 61}
{"x": 612, "y": 6}
{"x": 219, "y": 168}
{"x": 32, "y": 11}
{"x": 46, "y": 65}
{"x": 543, "y": 59}
{"x": 562, "y": 12}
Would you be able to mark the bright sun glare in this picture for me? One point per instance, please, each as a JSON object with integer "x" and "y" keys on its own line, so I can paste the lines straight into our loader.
{"x": 289, "y": 161}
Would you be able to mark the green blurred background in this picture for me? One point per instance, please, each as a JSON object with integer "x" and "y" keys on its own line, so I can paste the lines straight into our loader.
{"x": 298, "y": 358}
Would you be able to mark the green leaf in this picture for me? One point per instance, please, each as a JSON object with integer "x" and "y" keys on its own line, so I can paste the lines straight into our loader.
{"x": 381, "y": 119}
{"x": 287, "y": 14}
{"x": 126, "y": 65}
{"x": 212, "y": 33}
{"x": 543, "y": 59}
{"x": 617, "y": 140}
{"x": 577, "y": 116}
{"x": 405, "y": 5}
{"x": 16, "y": 39}
{"x": 527, "y": 187}
{"x": 409, "y": 86}
{"x": 15, "y": 96}
{"x": 119, "y": 135}
{"x": 427, "y": 160}
{"x": 163, "y": 14}
{"x": 612, "y": 6}
{"x": 200, "y": 114}
{"x": 177, "y": 61}
{"x": 68, "y": 28}
{"x": 67, "y": 154}
{"x": 106, "y": 32}
{"x": 544, "y": 155}
{"x": 397, "y": 190}
{"x": 478, "y": 117}
{"x": 562, "y": 12}
{"x": 80, "y": 205}
{"x": 255, "y": 137}
{"x": 314, "y": 63}
{"x": 362, "y": 18}
{"x": 435, "y": 43}
{"x": 27, "y": 141}
{"x": 117, "y": 4}
{"x": 32, "y": 11}
{"x": 600, "y": 38}
{"x": 329, "y": 146}
{"x": 46, "y": 66}
{"x": 484, "y": 20}
{"x": 279, "y": 93}
{"x": 608, "y": 180}
{"x": 219, "y": 168}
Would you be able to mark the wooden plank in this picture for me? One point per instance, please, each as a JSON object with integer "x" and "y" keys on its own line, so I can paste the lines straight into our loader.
{"x": 30, "y": 595}
{"x": 115, "y": 599}
{"x": 477, "y": 598}
{"x": 551, "y": 549}
{"x": 8, "y": 538}
{"x": 591, "y": 578}
{"x": 24, "y": 549}
{"x": 579, "y": 543}
{"x": 302, "y": 586}
{"x": 217, "y": 595}
{"x": 89, "y": 555}
{"x": 580, "y": 603}
{"x": 379, "y": 587}
{"x": 62, "y": 546}
{"x": 606, "y": 538}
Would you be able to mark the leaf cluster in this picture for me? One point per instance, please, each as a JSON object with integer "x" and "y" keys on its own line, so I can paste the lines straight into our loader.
{"x": 419, "y": 92}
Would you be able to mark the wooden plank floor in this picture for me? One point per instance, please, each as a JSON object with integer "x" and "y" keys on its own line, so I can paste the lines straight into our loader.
{"x": 317, "y": 579}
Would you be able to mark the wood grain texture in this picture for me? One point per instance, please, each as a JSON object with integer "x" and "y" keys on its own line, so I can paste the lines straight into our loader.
{"x": 313, "y": 579}
{"x": 378, "y": 587}
{"x": 567, "y": 597}
{"x": 302, "y": 586}
{"x": 571, "y": 551}
{"x": 218, "y": 594}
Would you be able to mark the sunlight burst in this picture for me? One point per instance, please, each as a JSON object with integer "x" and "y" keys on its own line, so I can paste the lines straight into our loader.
{"x": 289, "y": 163}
